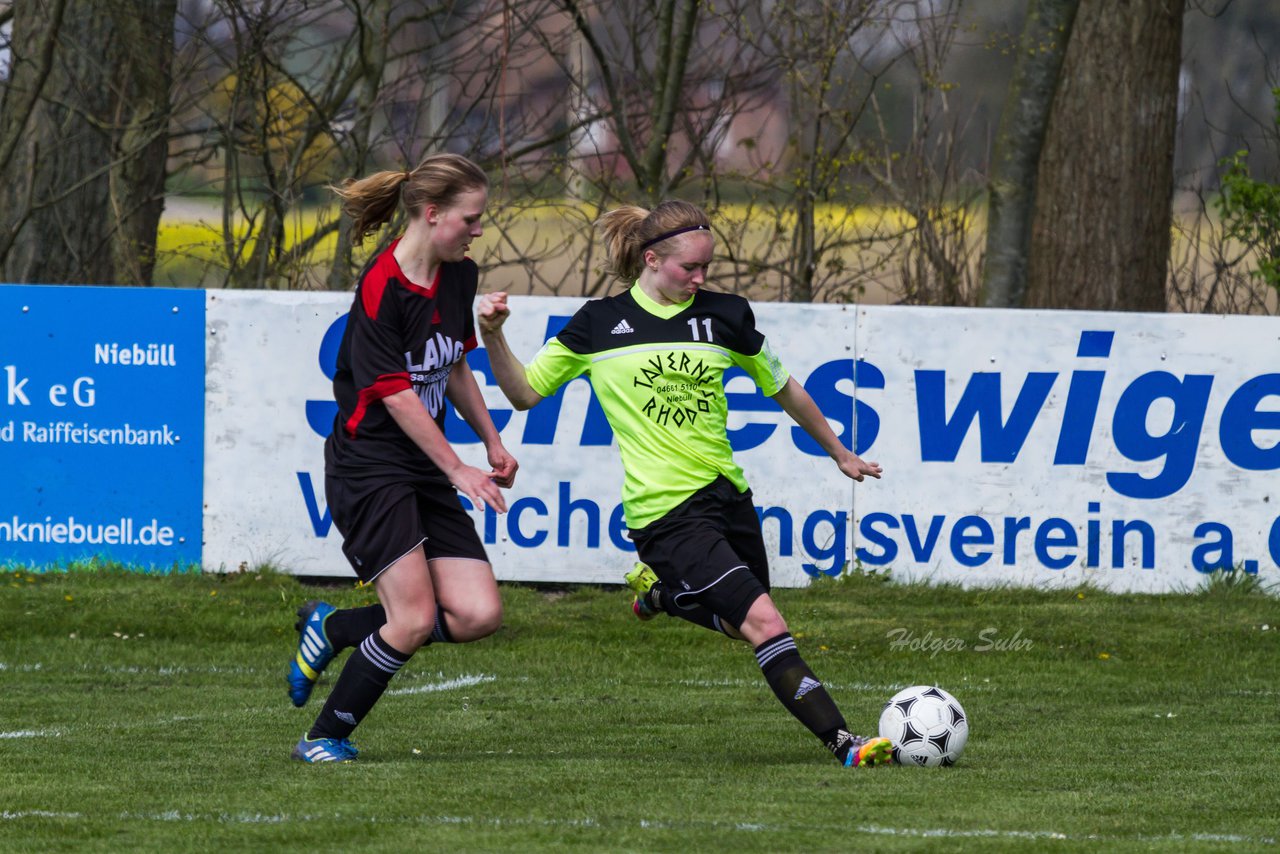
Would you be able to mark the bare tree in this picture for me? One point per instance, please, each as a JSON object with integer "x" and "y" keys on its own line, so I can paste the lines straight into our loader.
{"x": 291, "y": 97}
{"x": 938, "y": 256}
{"x": 645, "y": 91}
{"x": 644, "y": 98}
{"x": 863, "y": 194}
{"x": 839, "y": 156}
{"x": 825, "y": 64}
{"x": 1100, "y": 238}
{"x": 373, "y": 23}
{"x": 83, "y": 134}
{"x": 1011, "y": 197}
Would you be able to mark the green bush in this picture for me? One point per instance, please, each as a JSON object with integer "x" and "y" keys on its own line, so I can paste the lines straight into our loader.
{"x": 1250, "y": 210}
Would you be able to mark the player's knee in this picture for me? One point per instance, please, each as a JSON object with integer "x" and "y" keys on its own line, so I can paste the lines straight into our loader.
{"x": 416, "y": 625}
{"x": 768, "y": 626}
{"x": 763, "y": 621}
{"x": 480, "y": 620}
{"x": 484, "y": 619}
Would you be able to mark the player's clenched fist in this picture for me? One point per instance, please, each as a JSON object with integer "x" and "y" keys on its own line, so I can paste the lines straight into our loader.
{"x": 493, "y": 311}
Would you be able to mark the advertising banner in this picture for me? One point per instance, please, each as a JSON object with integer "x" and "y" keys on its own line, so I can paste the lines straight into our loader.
{"x": 1131, "y": 451}
{"x": 270, "y": 406}
{"x": 101, "y": 425}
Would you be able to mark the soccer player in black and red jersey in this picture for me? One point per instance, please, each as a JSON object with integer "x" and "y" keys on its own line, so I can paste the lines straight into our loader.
{"x": 391, "y": 478}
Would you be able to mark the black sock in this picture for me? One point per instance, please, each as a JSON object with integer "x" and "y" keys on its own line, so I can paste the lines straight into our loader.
{"x": 440, "y": 634}
{"x": 656, "y": 596}
{"x": 659, "y": 600}
{"x": 794, "y": 684}
{"x": 348, "y": 626}
{"x": 364, "y": 678}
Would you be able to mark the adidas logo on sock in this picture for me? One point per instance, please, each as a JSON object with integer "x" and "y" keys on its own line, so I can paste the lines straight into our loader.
{"x": 806, "y": 685}
{"x": 622, "y": 328}
{"x": 345, "y": 717}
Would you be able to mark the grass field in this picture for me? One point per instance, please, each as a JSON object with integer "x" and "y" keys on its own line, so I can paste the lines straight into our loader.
{"x": 143, "y": 713}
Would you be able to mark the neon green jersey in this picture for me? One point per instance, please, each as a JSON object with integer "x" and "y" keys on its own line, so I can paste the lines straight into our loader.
{"x": 658, "y": 372}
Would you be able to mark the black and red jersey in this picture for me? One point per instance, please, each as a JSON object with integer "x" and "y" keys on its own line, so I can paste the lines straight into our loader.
{"x": 399, "y": 335}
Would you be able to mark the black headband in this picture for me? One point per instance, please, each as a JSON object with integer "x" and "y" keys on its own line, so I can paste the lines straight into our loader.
{"x": 662, "y": 237}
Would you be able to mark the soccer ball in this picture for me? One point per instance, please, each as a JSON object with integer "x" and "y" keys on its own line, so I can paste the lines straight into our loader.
{"x": 926, "y": 725}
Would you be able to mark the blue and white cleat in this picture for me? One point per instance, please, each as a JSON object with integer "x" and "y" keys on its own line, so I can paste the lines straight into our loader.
{"x": 314, "y": 650}
{"x": 324, "y": 750}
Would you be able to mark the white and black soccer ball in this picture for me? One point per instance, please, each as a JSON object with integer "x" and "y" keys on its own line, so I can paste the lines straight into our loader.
{"x": 927, "y": 726}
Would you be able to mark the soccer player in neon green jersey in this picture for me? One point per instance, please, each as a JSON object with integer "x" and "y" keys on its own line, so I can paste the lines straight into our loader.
{"x": 656, "y": 355}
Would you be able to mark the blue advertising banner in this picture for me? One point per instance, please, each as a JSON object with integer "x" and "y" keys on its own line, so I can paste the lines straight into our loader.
{"x": 101, "y": 425}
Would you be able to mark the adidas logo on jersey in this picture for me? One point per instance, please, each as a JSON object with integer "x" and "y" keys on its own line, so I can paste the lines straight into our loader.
{"x": 622, "y": 328}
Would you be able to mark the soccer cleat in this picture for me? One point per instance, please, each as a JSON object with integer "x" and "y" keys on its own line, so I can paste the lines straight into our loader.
{"x": 869, "y": 751}
{"x": 324, "y": 750}
{"x": 642, "y": 610}
{"x": 641, "y": 579}
{"x": 314, "y": 650}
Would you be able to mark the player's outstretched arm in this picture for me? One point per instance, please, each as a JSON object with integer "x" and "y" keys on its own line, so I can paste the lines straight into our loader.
{"x": 491, "y": 312}
{"x": 797, "y": 403}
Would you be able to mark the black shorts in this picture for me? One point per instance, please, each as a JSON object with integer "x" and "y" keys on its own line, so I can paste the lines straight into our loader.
{"x": 382, "y": 522}
{"x": 709, "y": 551}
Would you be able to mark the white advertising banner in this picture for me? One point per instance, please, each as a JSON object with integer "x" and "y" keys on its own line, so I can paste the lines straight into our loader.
{"x": 263, "y": 462}
{"x": 1131, "y": 451}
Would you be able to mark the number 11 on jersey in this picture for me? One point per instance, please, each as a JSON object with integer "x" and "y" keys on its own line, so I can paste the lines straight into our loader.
{"x": 706, "y": 324}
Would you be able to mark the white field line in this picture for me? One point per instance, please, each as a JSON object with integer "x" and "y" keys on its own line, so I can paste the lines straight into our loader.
{"x": 741, "y": 827}
{"x": 448, "y": 685}
{"x": 466, "y": 680}
{"x": 174, "y": 670}
{"x": 886, "y": 691}
{"x": 133, "y": 670}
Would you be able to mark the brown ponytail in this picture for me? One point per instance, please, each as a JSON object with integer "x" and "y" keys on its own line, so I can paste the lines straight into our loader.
{"x": 438, "y": 180}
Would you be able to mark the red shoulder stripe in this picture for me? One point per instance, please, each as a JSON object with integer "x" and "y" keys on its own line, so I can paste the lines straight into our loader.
{"x": 386, "y": 385}
{"x": 376, "y": 281}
